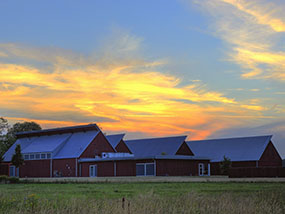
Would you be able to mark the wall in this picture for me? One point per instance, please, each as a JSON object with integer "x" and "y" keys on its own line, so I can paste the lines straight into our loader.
{"x": 122, "y": 147}
{"x": 97, "y": 146}
{"x": 184, "y": 150}
{"x": 178, "y": 167}
{"x": 270, "y": 157}
{"x": 4, "y": 169}
{"x": 64, "y": 167}
{"x": 35, "y": 168}
{"x": 104, "y": 169}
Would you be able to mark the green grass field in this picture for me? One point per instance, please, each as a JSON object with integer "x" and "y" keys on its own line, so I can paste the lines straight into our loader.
{"x": 143, "y": 198}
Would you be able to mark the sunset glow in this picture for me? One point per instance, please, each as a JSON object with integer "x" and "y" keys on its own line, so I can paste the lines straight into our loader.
{"x": 172, "y": 76}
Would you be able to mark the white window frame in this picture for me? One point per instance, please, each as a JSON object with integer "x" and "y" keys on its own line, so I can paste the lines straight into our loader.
{"x": 145, "y": 164}
{"x": 38, "y": 157}
{"x": 26, "y": 157}
{"x": 201, "y": 166}
{"x": 93, "y": 173}
{"x": 45, "y": 156}
{"x": 32, "y": 155}
{"x": 140, "y": 164}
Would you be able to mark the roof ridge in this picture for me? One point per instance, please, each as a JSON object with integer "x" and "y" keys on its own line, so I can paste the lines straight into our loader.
{"x": 185, "y": 136}
{"x": 227, "y": 138}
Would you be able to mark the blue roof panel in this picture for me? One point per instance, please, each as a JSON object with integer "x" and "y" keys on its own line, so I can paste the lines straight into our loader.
{"x": 237, "y": 149}
{"x": 155, "y": 146}
{"x": 24, "y": 143}
{"x": 45, "y": 143}
{"x": 76, "y": 144}
{"x": 115, "y": 139}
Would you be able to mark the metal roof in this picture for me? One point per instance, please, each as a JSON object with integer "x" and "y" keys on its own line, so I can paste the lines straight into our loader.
{"x": 237, "y": 149}
{"x": 69, "y": 129}
{"x": 76, "y": 144}
{"x": 115, "y": 139}
{"x": 155, "y": 146}
{"x": 68, "y": 145}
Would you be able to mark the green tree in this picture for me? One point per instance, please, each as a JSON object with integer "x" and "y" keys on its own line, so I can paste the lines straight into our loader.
{"x": 10, "y": 137}
{"x": 17, "y": 158}
{"x": 225, "y": 165}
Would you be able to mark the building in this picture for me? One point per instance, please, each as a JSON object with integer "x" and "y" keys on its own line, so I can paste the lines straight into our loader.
{"x": 244, "y": 152}
{"x": 84, "y": 151}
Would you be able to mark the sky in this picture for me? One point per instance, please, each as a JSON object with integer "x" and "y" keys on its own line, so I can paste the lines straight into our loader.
{"x": 202, "y": 68}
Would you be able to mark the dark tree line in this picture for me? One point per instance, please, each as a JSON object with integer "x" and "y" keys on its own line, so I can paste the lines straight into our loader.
{"x": 8, "y": 133}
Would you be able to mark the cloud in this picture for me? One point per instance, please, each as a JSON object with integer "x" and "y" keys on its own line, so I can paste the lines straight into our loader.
{"x": 253, "y": 31}
{"x": 121, "y": 90}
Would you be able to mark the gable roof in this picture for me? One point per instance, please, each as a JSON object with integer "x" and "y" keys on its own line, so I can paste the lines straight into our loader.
{"x": 68, "y": 144}
{"x": 155, "y": 146}
{"x": 237, "y": 149}
{"x": 115, "y": 139}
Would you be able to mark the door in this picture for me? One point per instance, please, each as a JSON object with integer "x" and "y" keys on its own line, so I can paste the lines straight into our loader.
{"x": 201, "y": 169}
{"x": 13, "y": 171}
{"x": 93, "y": 170}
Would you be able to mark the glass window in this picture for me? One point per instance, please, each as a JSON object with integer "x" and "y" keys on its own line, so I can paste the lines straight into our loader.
{"x": 93, "y": 170}
{"x": 26, "y": 157}
{"x": 140, "y": 169}
{"x": 43, "y": 156}
{"x": 149, "y": 169}
{"x": 37, "y": 156}
{"x": 32, "y": 157}
{"x": 48, "y": 156}
{"x": 12, "y": 172}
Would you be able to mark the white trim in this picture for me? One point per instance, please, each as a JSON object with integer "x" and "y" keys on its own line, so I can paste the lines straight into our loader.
{"x": 209, "y": 169}
{"x": 201, "y": 166}
{"x": 144, "y": 165}
{"x": 94, "y": 173}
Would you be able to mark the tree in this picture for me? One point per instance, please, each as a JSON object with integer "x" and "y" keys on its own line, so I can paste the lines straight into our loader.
{"x": 225, "y": 166}
{"x": 17, "y": 158}
{"x": 8, "y": 134}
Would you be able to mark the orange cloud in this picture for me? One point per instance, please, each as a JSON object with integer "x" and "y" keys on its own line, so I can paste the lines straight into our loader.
{"x": 125, "y": 95}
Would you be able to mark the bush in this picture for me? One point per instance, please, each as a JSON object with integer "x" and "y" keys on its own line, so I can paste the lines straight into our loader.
{"x": 8, "y": 180}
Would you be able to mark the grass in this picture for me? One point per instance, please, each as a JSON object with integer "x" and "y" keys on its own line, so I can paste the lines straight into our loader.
{"x": 143, "y": 198}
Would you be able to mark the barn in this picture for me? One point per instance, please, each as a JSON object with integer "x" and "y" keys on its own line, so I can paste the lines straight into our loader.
{"x": 244, "y": 152}
{"x": 84, "y": 151}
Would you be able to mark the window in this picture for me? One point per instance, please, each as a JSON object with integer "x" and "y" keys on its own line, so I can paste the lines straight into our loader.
{"x": 37, "y": 156}
{"x": 48, "y": 156}
{"x": 93, "y": 170}
{"x": 12, "y": 171}
{"x": 201, "y": 169}
{"x": 145, "y": 169}
{"x": 43, "y": 156}
{"x": 140, "y": 169}
{"x": 26, "y": 157}
{"x": 32, "y": 156}
{"x": 149, "y": 169}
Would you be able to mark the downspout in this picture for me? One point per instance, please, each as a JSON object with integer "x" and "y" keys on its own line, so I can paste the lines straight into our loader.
{"x": 50, "y": 165}
{"x": 115, "y": 169}
{"x": 76, "y": 173}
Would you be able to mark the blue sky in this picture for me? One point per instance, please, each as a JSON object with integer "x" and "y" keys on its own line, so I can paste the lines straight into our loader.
{"x": 149, "y": 68}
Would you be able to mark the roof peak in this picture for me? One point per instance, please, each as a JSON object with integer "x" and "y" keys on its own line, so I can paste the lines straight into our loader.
{"x": 62, "y": 130}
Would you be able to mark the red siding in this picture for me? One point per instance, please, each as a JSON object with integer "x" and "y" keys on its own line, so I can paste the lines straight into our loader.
{"x": 184, "y": 150}
{"x": 178, "y": 167}
{"x": 97, "y": 146}
{"x": 270, "y": 157}
{"x": 126, "y": 168}
{"x": 35, "y": 168}
{"x": 104, "y": 169}
{"x": 4, "y": 169}
{"x": 64, "y": 167}
{"x": 122, "y": 147}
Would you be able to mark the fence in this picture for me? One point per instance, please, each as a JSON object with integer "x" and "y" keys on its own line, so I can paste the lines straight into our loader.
{"x": 240, "y": 172}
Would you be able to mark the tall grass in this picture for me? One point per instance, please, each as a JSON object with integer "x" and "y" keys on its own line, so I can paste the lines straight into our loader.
{"x": 192, "y": 202}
